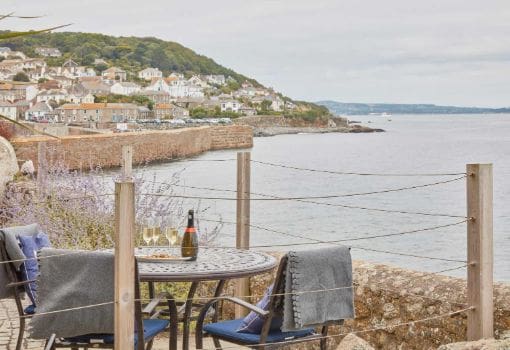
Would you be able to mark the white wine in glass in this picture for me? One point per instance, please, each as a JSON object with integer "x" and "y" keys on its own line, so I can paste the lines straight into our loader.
{"x": 156, "y": 233}
{"x": 171, "y": 235}
{"x": 147, "y": 234}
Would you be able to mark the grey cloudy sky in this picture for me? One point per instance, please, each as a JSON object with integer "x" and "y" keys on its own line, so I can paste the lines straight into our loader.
{"x": 402, "y": 51}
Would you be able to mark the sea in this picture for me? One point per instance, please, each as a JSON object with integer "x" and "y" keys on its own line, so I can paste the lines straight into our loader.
{"x": 413, "y": 152}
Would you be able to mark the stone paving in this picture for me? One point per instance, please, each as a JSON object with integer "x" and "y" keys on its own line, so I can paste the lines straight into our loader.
{"x": 9, "y": 323}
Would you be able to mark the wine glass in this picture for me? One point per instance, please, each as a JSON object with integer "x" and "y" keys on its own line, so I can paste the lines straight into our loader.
{"x": 171, "y": 235}
{"x": 156, "y": 231}
{"x": 147, "y": 233}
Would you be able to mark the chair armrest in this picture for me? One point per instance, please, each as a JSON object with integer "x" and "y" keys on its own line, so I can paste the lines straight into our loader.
{"x": 149, "y": 308}
{"x": 209, "y": 304}
{"x": 50, "y": 342}
{"x": 21, "y": 283}
{"x": 244, "y": 304}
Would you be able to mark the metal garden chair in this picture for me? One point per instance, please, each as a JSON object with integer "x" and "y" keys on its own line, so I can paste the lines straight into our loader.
{"x": 227, "y": 330}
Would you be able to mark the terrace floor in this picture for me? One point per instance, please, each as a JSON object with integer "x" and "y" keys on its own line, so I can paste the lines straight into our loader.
{"x": 9, "y": 332}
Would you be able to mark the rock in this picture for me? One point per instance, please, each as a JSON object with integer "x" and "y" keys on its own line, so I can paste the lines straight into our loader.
{"x": 9, "y": 163}
{"x": 27, "y": 168}
{"x": 484, "y": 344}
{"x": 352, "y": 342}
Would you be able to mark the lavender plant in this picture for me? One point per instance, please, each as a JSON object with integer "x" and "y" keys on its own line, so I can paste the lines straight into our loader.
{"x": 76, "y": 208}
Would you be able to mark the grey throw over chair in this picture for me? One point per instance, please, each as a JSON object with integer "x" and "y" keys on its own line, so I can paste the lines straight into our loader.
{"x": 268, "y": 338}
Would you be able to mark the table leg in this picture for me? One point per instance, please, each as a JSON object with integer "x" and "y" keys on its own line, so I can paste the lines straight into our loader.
{"x": 151, "y": 290}
{"x": 188, "y": 307}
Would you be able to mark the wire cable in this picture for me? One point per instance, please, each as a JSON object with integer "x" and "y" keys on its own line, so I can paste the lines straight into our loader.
{"x": 352, "y": 173}
{"x": 311, "y": 197}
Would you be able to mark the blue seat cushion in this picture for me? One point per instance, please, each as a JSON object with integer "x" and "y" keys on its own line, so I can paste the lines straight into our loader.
{"x": 151, "y": 328}
{"x": 228, "y": 330}
{"x": 30, "y": 245}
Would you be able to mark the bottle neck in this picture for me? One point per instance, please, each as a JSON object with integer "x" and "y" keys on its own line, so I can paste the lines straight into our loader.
{"x": 190, "y": 220}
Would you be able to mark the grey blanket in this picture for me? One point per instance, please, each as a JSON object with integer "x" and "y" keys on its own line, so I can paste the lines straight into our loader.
{"x": 327, "y": 269}
{"x": 9, "y": 236}
{"x": 74, "y": 279}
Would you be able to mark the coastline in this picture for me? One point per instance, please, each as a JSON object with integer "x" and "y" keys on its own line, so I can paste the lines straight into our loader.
{"x": 288, "y": 130}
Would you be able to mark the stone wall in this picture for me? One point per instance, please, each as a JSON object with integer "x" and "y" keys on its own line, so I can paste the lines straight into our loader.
{"x": 271, "y": 121}
{"x": 387, "y": 296}
{"x": 104, "y": 150}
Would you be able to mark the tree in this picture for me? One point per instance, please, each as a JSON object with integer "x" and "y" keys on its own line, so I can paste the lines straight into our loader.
{"x": 101, "y": 67}
{"x": 21, "y": 76}
{"x": 159, "y": 59}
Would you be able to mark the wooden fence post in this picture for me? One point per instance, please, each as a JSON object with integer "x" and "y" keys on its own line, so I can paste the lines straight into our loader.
{"x": 243, "y": 221}
{"x": 480, "y": 251}
{"x": 124, "y": 255}
{"x": 41, "y": 165}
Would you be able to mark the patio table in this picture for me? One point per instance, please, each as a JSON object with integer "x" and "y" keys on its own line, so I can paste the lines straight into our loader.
{"x": 212, "y": 264}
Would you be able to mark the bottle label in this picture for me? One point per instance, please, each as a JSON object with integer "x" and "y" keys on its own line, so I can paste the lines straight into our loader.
{"x": 190, "y": 230}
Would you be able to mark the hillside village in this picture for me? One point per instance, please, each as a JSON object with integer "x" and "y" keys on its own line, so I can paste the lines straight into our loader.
{"x": 101, "y": 94}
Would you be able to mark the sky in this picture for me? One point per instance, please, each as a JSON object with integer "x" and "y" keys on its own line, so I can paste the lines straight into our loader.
{"x": 449, "y": 52}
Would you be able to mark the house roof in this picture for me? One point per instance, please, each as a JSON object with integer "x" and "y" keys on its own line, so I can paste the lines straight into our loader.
{"x": 40, "y": 107}
{"x": 70, "y": 63}
{"x": 90, "y": 106}
{"x": 153, "y": 93}
{"x": 114, "y": 70}
{"x": 149, "y": 69}
{"x": 163, "y": 106}
{"x": 53, "y": 92}
{"x": 127, "y": 84}
{"x": 94, "y": 85}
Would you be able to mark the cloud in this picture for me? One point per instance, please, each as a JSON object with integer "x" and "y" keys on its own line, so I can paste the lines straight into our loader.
{"x": 429, "y": 51}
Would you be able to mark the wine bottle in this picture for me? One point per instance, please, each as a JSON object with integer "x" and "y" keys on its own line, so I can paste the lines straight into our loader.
{"x": 189, "y": 245}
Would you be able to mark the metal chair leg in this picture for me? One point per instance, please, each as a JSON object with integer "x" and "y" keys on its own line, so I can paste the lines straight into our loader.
{"x": 216, "y": 342}
{"x": 324, "y": 341}
{"x": 21, "y": 333}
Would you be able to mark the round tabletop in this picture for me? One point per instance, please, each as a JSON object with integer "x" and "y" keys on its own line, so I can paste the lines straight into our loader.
{"x": 211, "y": 264}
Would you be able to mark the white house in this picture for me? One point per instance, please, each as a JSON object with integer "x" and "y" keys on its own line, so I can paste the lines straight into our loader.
{"x": 246, "y": 110}
{"x": 277, "y": 104}
{"x": 8, "y": 110}
{"x": 6, "y": 73}
{"x": 176, "y": 75}
{"x": 149, "y": 73}
{"x": 48, "y": 51}
{"x": 125, "y": 88}
{"x": 158, "y": 84}
{"x": 56, "y": 95}
{"x": 38, "y": 111}
{"x": 114, "y": 73}
{"x": 230, "y": 106}
{"x": 5, "y": 51}
{"x": 196, "y": 80}
{"x": 176, "y": 88}
{"x": 216, "y": 79}
{"x": 80, "y": 98}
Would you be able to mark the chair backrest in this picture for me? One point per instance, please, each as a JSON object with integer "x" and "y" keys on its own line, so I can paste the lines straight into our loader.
{"x": 69, "y": 274}
{"x": 8, "y": 275}
{"x": 276, "y": 301}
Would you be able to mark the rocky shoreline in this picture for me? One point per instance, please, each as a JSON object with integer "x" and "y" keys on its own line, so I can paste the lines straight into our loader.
{"x": 285, "y": 130}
